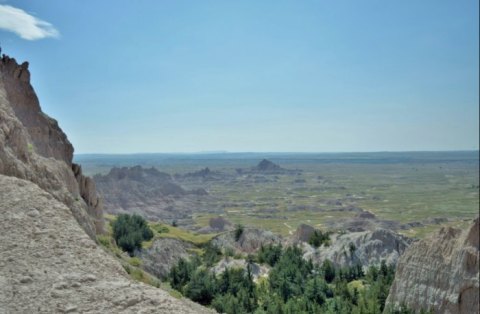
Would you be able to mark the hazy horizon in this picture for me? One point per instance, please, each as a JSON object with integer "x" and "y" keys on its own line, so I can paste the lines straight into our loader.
{"x": 272, "y": 76}
{"x": 277, "y": 153}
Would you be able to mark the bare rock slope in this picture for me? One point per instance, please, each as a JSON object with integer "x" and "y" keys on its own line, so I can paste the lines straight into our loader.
{"x": 360, "y": 248}
{"x": 163, "y": 255}
{"x": 250, "y": 241}
{"x": 440, "y": 273}
{"x": 48, "y": 264}
{"x": 34, "y": 148}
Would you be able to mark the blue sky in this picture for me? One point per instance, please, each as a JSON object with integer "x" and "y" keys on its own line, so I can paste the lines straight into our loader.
{"x": 303, "y": 76}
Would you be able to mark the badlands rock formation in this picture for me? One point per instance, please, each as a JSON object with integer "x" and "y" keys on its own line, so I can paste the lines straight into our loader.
{"x": 303, "y": 233}
{"x": 147, "y": 191}
{"x": 163, "y": 255}
{"x": 249, "y": 242}
{"x": 34, "y": 148}
{"x": 48, "y": 264}
{"x": 364, "y": 248}
{"x": 440, "y": 273}
{"x": 267, "y": 167}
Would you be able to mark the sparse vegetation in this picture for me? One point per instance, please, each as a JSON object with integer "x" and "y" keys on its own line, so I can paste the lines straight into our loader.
{"x": 135, "y": 261}
{"x": 30, "y": 148}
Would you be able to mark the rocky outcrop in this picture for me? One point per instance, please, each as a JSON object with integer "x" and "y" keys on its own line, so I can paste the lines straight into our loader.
{"x": 249, "y": 242}
{"x": 46, "y": 135}
{"x": 303, "y": 233}
{"x": 362, "y": 221}
{"x": 88, "y": 192}
{"x": 49, "y": 265}
{"x": 363, "y": 248}
{"x": 257, "y": 271}
{"x": 219, "y": 224}
{"x": 163, "y": 255}
{"x": 267, "y": 167}
{"x": 440, "y": 273}
{"x": 34, "y": 148}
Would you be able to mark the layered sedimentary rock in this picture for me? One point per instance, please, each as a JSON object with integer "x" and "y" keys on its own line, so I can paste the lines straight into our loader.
{"x": 34, "y": 148}
{"x": 440, "y": 273}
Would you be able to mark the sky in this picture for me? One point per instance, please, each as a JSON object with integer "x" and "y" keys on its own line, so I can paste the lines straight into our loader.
{"x": 253, "y": 76}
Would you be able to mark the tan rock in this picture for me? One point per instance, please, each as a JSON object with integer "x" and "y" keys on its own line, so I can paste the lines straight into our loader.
{"x": 34, "y": 148}
{"x": 83, "y": 278}
{"x": 440, "y": 273}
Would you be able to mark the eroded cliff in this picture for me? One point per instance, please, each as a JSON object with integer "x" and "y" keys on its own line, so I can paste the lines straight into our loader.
{"x": 440, "y": 273}
{"x": 34, "y": 148}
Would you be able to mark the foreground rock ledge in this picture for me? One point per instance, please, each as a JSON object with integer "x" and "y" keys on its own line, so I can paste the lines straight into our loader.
{"x": 440, "y": 273}
{"x": 48, "y": 264}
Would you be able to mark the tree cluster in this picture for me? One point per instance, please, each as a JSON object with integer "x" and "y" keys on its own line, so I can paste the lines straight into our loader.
{"x": 294, "y": 285}
{"x": 129, "y": 231}
{"x": 319, "y": 238}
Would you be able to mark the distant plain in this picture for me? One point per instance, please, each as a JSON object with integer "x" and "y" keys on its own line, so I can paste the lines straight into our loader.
{"x": 433, "y": 188}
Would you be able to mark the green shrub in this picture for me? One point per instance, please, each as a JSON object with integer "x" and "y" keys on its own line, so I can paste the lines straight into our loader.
{"x": 269, "y": 254}
{"x": 161, "y": 229}
{"x": 129, "y": 231}
{"x": 238, "y": 231}
{"x": 229, "y": 252}
{"x": 318, "y": 238}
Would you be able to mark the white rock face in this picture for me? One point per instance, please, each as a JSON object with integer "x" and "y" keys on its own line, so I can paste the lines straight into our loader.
{"x": 440, "y": 273}
{"x": 368, "y": 248}
{"x": 48, "y": 264}
{"x": 249, "y": 242}
{"x": 164, "y": 253}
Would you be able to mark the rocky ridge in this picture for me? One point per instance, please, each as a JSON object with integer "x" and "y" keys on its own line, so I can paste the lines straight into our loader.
{"x": 147, "y": 191}
{"x": 34, "y": 148}
{"x": 440, "y": 273}
{"x": 250, "y": 240}
{"x": 267, "y": 167}
{"x": 349, "y": 249}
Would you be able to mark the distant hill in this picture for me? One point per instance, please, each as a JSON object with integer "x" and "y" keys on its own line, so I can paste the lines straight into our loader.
{"x": 267, "y": 167}
{"x": 147, "y": 191}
